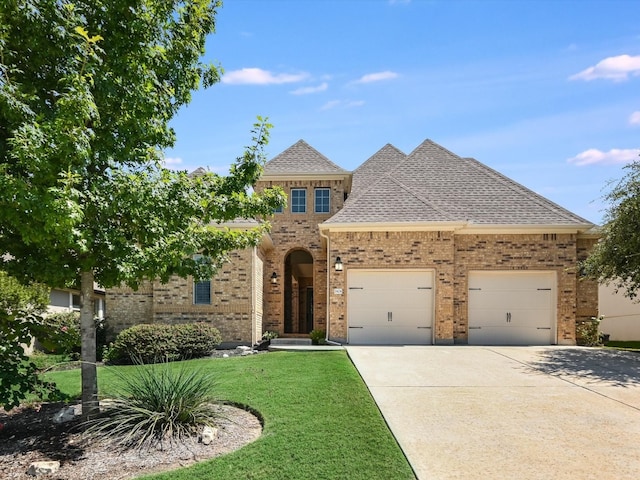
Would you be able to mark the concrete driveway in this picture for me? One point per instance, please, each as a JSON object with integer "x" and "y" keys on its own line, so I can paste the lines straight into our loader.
{"x": 509, "y": 412}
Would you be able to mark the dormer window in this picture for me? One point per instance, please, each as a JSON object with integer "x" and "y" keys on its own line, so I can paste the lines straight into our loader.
{"x": 322, "y": 200}
{"x": 298, "y": 200}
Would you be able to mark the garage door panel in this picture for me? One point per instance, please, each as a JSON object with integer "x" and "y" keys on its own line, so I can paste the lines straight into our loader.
{"x": 385, "y": 335}
{"x": 390, "y": 307}
{"x": 510, "y": 336}
{"x": 511, "y": 308}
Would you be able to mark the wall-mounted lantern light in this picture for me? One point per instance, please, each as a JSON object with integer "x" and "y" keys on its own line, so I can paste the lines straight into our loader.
{"x": 274, "y": 278}
{"x": 338, "y": 264}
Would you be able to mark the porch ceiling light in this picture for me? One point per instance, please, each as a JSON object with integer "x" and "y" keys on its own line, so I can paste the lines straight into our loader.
{"x": 274, "y": 278}
{"x": 338, "y": 264}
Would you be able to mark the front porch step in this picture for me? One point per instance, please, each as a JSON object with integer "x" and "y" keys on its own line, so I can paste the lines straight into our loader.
{"x": 290, "y": 341}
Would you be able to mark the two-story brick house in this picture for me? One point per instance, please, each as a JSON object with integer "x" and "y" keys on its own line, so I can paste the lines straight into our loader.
{"x": 421, "y": 248}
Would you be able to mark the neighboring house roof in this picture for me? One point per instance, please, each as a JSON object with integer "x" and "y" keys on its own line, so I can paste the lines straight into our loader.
{"x": 432, "y": 184}
{"x": 301, "y": 159}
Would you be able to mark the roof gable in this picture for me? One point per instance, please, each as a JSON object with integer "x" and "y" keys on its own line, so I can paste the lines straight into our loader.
{"x": 301, "y": 158}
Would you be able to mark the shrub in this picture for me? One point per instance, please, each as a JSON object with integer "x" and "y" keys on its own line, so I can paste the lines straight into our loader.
{"x": 269, "y": 335}
{"x": 155, "y": 403}
{"x": 63, "y": 333}
{"x": 317, "y": 337}
{"x": 196, "y": 340}
{"x": 151, "y": 343}
{"x": 588, "y": 332}
{"x": 145, "y": 342}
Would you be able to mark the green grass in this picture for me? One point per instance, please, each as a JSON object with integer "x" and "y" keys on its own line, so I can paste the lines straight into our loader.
{"x": 51, "y": 361}
{"x": 320, "y": 421}
{"x": 634, "y": 345}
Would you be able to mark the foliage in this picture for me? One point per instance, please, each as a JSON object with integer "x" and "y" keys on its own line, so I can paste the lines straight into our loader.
{"x": 20, "y": 321}
{"x": 616, "y": 257}
{"x": 156, "y": 403}
{"x": 270, "y": 335}
{"x": 196, "y": 340}
{"x": 87, "y": 91}
{"x": 63, "y": 336}
{"x": 333, "y": 413}
{"x": 151, "y": 343}
{"x": 588, "y": 332}
{"x": 317, "y": 337}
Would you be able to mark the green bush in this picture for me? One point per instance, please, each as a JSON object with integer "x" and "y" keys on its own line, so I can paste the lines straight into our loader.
{"x": 152, "y": 343}
{"x": 63, "y": 333}
{"x": 195, "y": 340}
{"x": 588, "y": 332}
{"x": 154, "y": 404}
{"x": 317, "y": 337}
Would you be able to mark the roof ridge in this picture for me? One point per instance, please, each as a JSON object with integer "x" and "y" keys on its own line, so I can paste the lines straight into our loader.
{"x": 420, "y": 197}
{"x": 518, "y": 187}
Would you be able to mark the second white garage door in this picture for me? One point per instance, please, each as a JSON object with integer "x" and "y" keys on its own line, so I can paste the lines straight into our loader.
{"x": 390, "y": 307}
{"x": 512, "y": 308}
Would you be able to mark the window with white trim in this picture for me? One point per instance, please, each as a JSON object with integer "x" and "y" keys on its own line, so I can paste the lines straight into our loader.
{"x": 298, "y": 200}
{"x": 322, "y": 200}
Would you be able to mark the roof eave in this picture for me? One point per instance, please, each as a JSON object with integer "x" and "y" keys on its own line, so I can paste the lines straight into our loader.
{"x": 462, "y": 228}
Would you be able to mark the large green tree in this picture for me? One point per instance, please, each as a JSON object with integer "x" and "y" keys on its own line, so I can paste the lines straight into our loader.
{"x": 616, "y": 257}
{"x": 87, "y": 90}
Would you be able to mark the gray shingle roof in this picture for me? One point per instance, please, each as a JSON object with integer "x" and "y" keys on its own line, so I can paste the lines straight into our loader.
{"x": 432, "y": 184}
{"x": 301, "y": 158}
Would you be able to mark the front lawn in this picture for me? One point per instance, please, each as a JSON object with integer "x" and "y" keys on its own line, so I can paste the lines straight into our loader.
{"x": 320, "y": 421}
{"x": 634, "y": 345}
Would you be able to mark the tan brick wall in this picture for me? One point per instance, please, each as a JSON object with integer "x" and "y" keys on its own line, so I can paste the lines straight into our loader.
{"x": 126, "y": 307}
{"x": 231, "y": 309}
{"x": 429, "y": 250}
{"x": 587, "y": 288}
{"x": 452, "y": 257}
{"x": 556, "y": 252}
{"x": 298, "y": 231}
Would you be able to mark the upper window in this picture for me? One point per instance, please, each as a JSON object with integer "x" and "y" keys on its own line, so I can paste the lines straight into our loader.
{"x": 322, "y": 200}
{"x": 202, "y": 293}
{"x": 298, "y": 200}
{"x": 278, "y": 210}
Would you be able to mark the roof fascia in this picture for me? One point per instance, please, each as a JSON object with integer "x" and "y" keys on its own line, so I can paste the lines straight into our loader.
{"x": 457, "y": 227}
{"x": 391, "y": 227}
{"x": 305, "y": 176}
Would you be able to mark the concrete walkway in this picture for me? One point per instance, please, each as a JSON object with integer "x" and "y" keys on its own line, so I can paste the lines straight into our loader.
{"x": 509, "y": 412}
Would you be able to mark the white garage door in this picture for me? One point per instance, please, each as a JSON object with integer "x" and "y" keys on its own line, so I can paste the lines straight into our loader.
{"x": 512, "y": 308}
{"x": 389, "y": 307}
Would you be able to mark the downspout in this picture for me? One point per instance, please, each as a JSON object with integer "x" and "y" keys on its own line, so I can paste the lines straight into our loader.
{"x": 326, "y": 237}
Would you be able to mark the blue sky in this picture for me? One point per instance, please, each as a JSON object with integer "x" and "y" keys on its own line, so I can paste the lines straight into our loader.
{"x": 546, "y": 92}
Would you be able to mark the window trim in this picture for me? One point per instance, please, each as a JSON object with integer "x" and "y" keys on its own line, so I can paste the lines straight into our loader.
{"x": 195, "y": 292}
{"x": 294, "y": 204}
{"x": 315, "y": 199}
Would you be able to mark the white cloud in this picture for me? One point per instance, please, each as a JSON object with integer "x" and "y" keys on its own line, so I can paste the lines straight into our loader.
{"x": 634, "y": 118}
{"x": 342, "y": 103}
{"x": 307, "y": 90}
{"x": 612, "y": 68}
{"x": 377, "y": 77}
{"x": 257, "y": 76}
{"x": 331, "y": 104}
{"x": 172, "y": 162}
{"x": 593, "y": 156}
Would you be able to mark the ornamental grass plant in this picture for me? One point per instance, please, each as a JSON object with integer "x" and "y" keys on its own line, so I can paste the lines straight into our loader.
{"x": 155, "y": 404}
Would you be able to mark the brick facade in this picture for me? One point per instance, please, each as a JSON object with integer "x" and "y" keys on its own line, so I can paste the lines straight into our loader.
{"x": 235, "y": 308}
{"x": 451, "y": 257}
{"x": 293, "y": 232}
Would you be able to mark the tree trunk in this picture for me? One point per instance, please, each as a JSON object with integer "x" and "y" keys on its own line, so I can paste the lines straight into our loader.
{"x": 90, "y": 405}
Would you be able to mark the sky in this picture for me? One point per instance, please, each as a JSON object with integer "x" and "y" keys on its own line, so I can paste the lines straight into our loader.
{"x": 546, "y": 92}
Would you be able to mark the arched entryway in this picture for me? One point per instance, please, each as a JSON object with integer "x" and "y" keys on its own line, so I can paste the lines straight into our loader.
{"x": 298, "y": 292}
